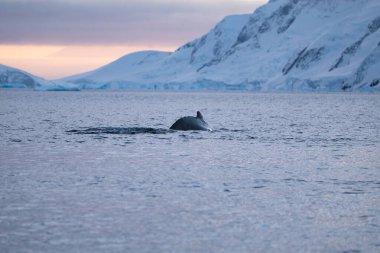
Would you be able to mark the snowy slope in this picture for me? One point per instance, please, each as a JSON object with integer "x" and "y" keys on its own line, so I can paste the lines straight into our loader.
{"x": 15, "y": 78}
{"x": 12, "y": 77}
{"x": 153, "y": 69}
{"x": 128, "y": 70}
{"x": 300, "y": 45}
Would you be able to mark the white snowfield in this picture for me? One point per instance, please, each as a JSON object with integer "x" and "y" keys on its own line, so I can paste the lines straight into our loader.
{"x": 285, "y": 45}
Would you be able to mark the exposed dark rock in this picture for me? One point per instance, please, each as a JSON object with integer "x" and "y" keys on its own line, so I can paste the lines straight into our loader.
{"x": 210, "y": 63}
{"x": 291, "y": 64}
{"x": 248, "y": 31}
{"x": 217, "y": 48}
{"x": 348, "y": 52}
{"x": 312, "y": 55}
{"x": 351, "y": 50}
{"x": 285, "y": 9}
{"x": 304, "y": 59}
{"x": 243, "y": 36}
{"x": 257, "y": 26}
{"x": 374, "y": 25}
{"x": 286, "y": 25}
{"x": 265, "y": 26}
{"x": 374, "y": 83}
{"x": 196, "y": 47}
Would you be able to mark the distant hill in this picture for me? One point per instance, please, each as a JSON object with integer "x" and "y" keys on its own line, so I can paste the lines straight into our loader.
{"x": 15, "y": 78}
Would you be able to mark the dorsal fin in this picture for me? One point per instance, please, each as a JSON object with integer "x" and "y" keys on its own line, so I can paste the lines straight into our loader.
{"x": 199, "y": 115}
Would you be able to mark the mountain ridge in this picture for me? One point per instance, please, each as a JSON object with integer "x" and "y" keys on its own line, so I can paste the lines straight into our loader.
{"x": 284, "y": 45}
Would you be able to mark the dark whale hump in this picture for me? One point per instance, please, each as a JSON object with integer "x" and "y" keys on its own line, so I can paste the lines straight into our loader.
{"x": 191, "y": 123}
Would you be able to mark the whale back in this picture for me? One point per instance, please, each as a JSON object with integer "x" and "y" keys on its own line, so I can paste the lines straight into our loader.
{"x": 191, "y": 123}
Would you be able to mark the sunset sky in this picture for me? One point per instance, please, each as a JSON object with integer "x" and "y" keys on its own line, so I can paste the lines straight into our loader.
{"x": 57, "y": 38}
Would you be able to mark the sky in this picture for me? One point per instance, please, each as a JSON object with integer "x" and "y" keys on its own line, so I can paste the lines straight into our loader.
{"x": 58, "y": 38}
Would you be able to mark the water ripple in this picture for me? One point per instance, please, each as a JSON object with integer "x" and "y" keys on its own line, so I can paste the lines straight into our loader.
{"x": 120, "y": 130}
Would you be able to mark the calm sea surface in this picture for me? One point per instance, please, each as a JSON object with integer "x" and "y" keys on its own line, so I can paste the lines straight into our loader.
{"x": 99, "y": 172}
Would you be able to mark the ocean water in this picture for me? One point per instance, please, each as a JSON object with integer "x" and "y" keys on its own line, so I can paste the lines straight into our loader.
{"x": 100, "y": 172}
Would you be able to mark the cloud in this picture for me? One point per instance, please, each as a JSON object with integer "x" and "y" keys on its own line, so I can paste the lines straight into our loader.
{"x": 113, "y": 22}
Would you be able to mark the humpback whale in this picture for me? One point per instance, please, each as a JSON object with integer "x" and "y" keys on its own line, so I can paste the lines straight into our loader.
{"x": 191, "y": 123}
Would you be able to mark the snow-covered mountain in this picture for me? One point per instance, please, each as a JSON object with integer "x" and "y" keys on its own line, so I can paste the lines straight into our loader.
{"x": 309, "y": 45}
{"x": 15, "y": 78}
{"x": 300, "y": 45}
{"x": 167, "y": 70}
